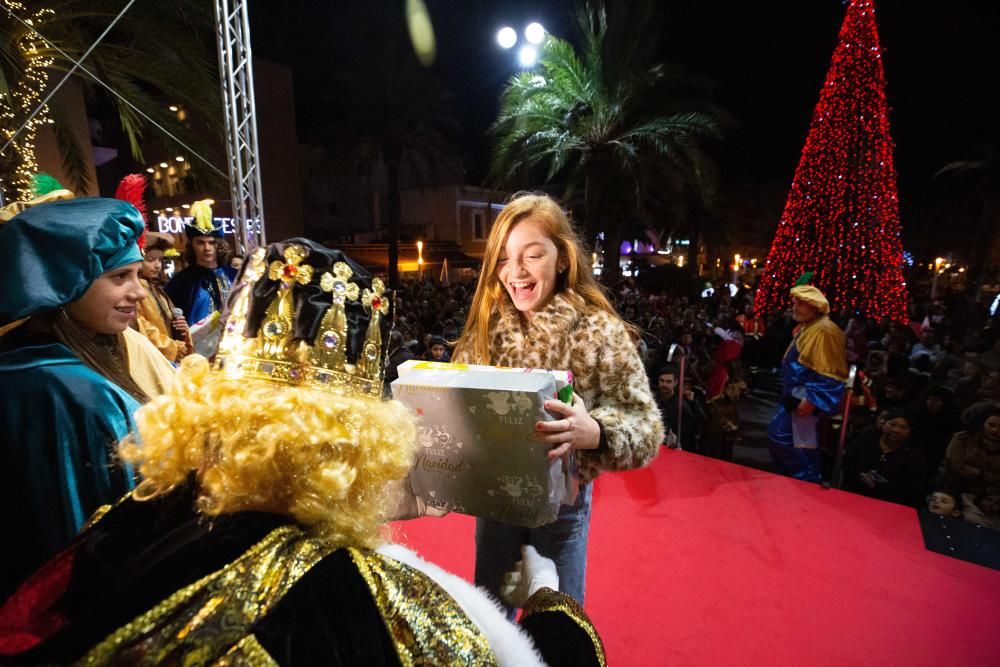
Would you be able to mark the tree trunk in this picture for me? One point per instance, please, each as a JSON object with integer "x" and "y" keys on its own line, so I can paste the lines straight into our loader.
{"x": 611, "y": 273}
{"x": 595, "y": 202}
{"x": 983, "y": 248}
{"x": 395, "y": 219}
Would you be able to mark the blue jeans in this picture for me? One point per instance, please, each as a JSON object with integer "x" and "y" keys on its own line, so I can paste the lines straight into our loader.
{"x": 498, "y": 547}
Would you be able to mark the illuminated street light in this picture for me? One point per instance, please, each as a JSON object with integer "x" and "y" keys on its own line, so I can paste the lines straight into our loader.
{"x": 534, "y": 33}
{"x": 507, "y": 37}
{"x": 527, "y": 56}
{"x": 528, "y": 53}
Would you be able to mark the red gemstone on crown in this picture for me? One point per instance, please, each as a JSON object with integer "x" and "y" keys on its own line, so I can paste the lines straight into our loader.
{"x": 376, "y": 302}
{"x": 290, "y": 270}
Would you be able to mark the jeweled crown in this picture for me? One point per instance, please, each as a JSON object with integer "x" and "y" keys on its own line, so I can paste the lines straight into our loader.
{"x": 306, "y": 315}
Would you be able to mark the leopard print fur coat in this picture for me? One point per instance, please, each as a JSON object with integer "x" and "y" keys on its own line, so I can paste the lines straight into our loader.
{"x": 607, "y": 374}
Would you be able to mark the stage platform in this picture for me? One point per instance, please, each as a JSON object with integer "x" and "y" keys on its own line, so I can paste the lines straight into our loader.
{"x": 695, "y": 561}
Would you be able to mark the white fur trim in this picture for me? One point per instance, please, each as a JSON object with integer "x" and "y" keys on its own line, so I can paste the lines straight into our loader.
{"x": 511, "y": 645}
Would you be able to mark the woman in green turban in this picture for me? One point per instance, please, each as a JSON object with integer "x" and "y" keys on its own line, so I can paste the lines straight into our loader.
{"x": 69, "y": 272}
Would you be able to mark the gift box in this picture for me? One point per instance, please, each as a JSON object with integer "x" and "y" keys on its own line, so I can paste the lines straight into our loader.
{"x": 477, "y": 453}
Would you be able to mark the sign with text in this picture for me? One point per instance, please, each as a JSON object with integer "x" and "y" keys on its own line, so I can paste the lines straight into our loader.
{"x": 174, "y": 224}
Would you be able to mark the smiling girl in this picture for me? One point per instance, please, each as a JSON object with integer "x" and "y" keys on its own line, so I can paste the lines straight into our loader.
{"x": 70, "y": 276}
{"x": 537, "y": 305}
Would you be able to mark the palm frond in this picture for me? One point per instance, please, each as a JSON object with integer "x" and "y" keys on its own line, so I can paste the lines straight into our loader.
{"x": 74, "y": 158}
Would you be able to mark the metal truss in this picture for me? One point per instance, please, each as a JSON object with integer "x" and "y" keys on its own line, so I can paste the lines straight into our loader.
{"x": 236, "y": 74}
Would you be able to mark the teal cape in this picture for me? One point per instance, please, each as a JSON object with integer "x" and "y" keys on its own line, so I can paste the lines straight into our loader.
{"x": 60, "y": 424}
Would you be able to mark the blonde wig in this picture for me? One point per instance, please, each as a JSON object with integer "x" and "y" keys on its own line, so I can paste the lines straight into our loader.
{"x": 320, "y": 458}
{"x": 576, "y": 283}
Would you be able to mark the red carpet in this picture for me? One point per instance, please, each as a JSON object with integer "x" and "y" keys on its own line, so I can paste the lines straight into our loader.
{"x": 698, "y": 562}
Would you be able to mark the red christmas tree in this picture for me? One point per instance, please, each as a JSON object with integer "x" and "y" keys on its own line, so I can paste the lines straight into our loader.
{"x": 841, "y": 219}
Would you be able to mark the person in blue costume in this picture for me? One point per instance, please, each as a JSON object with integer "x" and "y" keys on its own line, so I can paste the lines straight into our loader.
{"x": 813, "y": 374}
{"x": 202, "y": 288}
{"x": 70, "y": 276}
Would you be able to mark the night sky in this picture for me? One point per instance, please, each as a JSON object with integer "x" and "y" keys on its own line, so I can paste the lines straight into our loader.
{"x": 767, "y": 58}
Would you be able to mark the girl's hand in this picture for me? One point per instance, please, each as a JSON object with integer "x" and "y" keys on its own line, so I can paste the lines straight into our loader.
{"x": 576, "y": 430}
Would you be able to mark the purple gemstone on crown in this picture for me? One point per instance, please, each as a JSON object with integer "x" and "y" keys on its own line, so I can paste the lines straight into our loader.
{"x": 330, "y": 340}
{"x": 323, "y": 377}
{"x": 295, "y": 373}
{"x": 267, "y": 368}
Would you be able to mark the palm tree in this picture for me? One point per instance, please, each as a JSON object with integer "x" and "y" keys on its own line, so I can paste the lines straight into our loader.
{"x": 395, "y": 111}
{"x": 606, "y": 118}
{"x": 158, "y": 53}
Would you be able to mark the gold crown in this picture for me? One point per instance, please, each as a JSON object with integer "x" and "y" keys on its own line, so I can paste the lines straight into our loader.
{"x": 321, "y": 360}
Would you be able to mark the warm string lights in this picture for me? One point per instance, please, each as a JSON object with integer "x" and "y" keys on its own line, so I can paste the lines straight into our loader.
{"x": 26, "y": 94}
{"x": 841, "y": 219}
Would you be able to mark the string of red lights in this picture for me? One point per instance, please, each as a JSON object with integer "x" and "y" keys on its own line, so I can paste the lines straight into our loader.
{"x": 841, "y": 219}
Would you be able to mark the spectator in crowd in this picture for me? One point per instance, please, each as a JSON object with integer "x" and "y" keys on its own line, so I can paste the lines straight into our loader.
{"x": 967, "y": 386}
{"x": 396, "y": 354}
{"x": 692, "y": 415}
{"x": 987, "y": 397}
{"x": 437, "y": 349}
{"x": 856, "y": 340}
{"x": 753, "y": 335}
{"x": 945, "y": 502}
{"x": 972, "y": 460}
{"x": 724, "y": 390}
{"x": 934, "y": 420}
{"x": 991, "y": 358}
{"x": 887, "y": 468}
{"x": 982, "y": 509}
{"x": 927, "y": 347}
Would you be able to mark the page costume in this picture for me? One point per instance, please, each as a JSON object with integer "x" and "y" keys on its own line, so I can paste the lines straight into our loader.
{"x": 197, "y": 290}
{"x": 60, "y": 418}
{"x": 814, "y": 369}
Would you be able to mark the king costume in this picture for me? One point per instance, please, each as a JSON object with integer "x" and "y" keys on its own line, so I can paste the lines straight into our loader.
{"x": 814, "y": 369}
{"x": 156, "y": 580}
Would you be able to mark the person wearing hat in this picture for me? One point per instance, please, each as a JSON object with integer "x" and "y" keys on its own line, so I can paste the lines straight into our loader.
{"x": 156, "y": 319}
{"x": 202, "y": 288}
{"x": 257, "y": 535}
{"x": 813, "y": 373}
{"x": 70, "y": 275}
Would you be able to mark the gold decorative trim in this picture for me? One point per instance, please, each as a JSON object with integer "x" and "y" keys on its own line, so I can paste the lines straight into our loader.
{"x": 427, "y": 626}
{"x": 247, "y": 653}
{"x": 298, "y": 375}
{"x": 203, "y": 621}
{"x": 546, "y": 600}
{"x": 274, "y": 354}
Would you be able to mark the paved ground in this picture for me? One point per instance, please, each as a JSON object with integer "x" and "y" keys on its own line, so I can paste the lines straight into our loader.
{"x": 756, "y": 410}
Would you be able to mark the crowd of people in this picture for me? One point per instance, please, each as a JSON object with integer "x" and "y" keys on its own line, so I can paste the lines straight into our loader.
{"x": 238, "y": 476}
{"x": 924, "y": 424}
